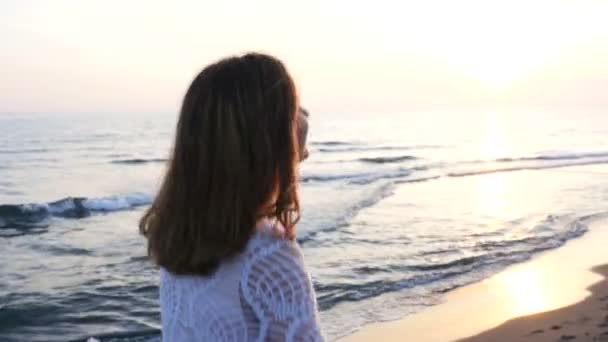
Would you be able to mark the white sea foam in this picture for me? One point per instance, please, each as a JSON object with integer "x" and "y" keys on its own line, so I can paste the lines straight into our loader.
{"x": 117, "y": 202}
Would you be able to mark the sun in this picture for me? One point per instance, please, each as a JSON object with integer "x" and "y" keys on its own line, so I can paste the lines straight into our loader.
{"x": 500, "y": 64}
{"x": 498, "y": 44}
{"x": 496, "y": 71}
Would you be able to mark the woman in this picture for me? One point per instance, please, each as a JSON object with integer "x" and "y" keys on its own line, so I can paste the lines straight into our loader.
{"x": 222, "y": 227}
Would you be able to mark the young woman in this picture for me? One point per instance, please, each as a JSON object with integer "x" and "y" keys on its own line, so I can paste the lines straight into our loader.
{"x": 222, "y": 227}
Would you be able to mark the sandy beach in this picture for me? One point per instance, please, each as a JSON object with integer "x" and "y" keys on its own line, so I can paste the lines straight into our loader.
{"x": 560, "y": 295}
{"x": 584, "y": 321}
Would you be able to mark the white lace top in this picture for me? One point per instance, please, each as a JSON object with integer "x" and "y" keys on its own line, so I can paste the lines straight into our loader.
{"x": 264, "y": 294}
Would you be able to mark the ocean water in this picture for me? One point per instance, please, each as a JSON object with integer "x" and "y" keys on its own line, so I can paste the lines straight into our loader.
{"x": 397, "y": 210}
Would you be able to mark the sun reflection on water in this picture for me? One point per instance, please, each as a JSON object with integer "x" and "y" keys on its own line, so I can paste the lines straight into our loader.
{"x": 526, "y": 292}
{"x": 492, "y": 192}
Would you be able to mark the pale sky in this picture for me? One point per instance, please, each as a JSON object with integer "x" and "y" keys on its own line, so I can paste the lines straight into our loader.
{"x": 140, "y": 55}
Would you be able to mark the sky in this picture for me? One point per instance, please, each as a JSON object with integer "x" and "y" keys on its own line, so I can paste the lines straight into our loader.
{"x": 140, "y": 55}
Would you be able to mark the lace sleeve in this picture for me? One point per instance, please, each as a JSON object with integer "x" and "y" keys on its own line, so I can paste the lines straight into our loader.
{"x": 277, "y": 287}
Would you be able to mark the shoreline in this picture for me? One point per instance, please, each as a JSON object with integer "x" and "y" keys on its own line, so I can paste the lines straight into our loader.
{"x": 586, "y": 321}
{"x": 550, "y": 282}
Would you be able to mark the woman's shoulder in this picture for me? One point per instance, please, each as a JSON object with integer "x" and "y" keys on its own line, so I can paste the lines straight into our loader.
{"x": 270, "y": 240}
{"x": 272, "y": 258}
{"x": 275, "y": 281}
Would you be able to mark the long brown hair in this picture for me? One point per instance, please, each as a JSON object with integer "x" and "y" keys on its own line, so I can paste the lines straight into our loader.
{"x": 234, "y": 161}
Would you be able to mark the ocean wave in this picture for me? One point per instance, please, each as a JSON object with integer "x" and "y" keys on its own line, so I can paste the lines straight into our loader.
{"x": 433, "y": 171}
{"x": 475, "y": 172}
{"x": 139, "y": 161}
{"x": 360, "y": 178}
{"x": 468, "y": 270}
{"x": 537, "y": 162}
{"x": 492, "y": 256}
{"x": 29, "y": 215}
{"x": 330, "y": 295}
{"x": 393, "y": 174}
{"x": 331, "y": 143}
{"x": 347, "y": 212}
{"x": 144, "y": 335}
{"x": 22, "y": 151}
{"x": 328, "y": 178}
{"x": 385, "y": 160}
{"x": 566, "y": 156}
{"x": 418, "y": 179}
{"x": 16, "y": 230}
{"x": 357, "y": 148}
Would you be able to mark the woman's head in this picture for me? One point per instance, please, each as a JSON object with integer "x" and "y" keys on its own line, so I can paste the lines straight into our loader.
{"x": 234, "y": 161}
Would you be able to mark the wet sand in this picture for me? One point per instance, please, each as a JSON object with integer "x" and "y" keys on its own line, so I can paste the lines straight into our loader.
{"x": 584, "y": 321}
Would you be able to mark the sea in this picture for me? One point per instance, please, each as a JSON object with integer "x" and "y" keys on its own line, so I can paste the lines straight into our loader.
{"x": 398, "y": 209}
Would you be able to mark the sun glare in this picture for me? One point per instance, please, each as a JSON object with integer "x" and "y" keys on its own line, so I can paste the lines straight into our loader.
{"x": 497, "y": 59}
{"x": 493, "y": 143}
{"x": 498, "y": 43}
{"x": 496, "y": 71}
{"x": 526, "y": 292}
{"x": 492, "y": 191}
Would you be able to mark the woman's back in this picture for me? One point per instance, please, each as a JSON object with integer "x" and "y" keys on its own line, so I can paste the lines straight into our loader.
{"x": 263, "y": 294}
